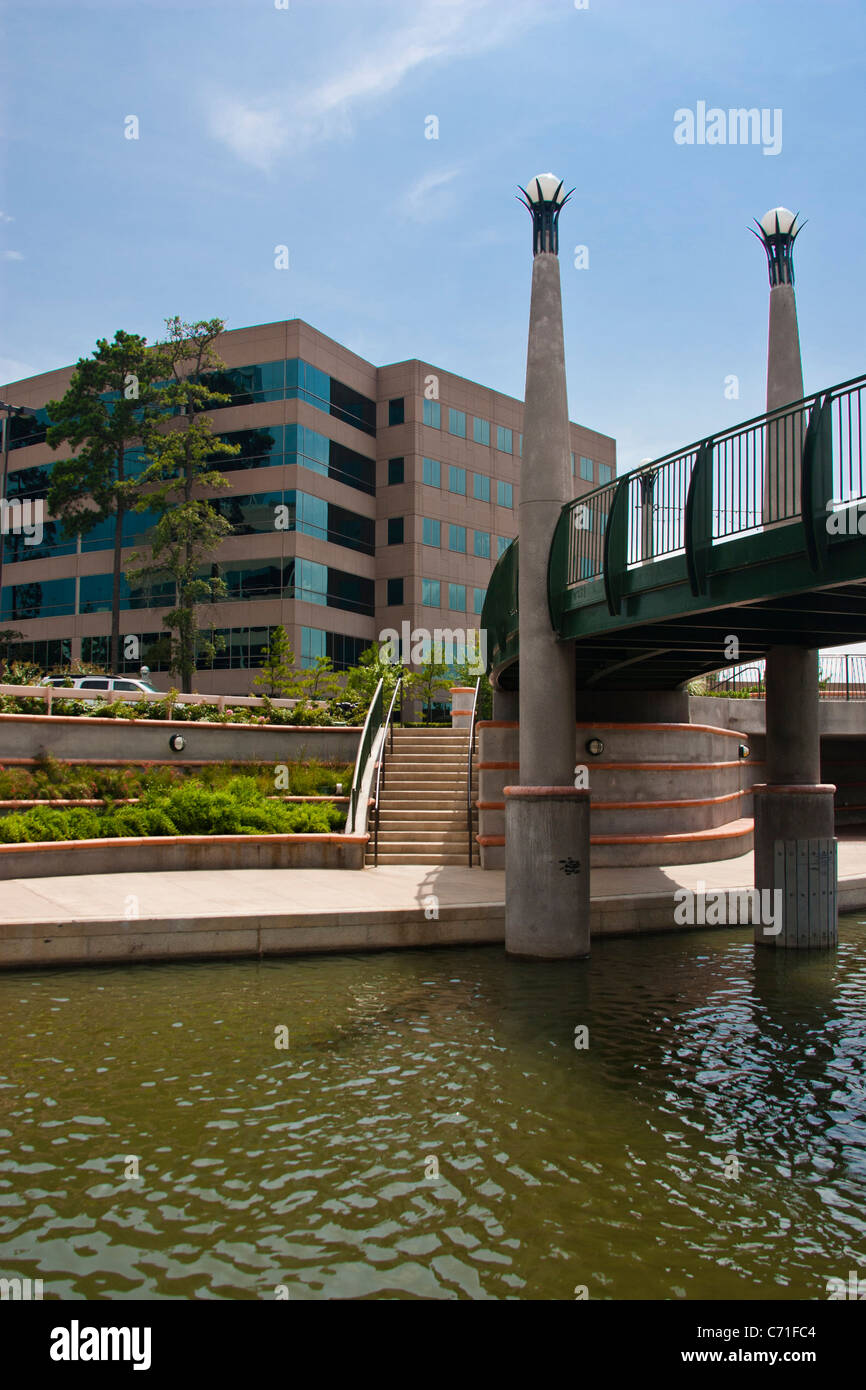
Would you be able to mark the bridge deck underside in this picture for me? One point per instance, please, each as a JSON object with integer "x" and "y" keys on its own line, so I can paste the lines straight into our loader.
{"x": 662, "y": 654}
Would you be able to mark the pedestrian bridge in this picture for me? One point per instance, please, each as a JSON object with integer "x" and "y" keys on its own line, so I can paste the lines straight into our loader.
{"x": 758, "y": 532}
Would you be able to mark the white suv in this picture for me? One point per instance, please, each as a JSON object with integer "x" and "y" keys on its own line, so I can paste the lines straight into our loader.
{"x": 103, "y": 685}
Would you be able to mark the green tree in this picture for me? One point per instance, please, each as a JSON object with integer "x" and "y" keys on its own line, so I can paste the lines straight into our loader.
{"x": 361, "y": 680}
{"x": 190, "y": 527}
{"x": 432, "y": 677}
{"x": 110, "y": 403}
{"x": 318, "y": 682}
{"x": 279, "y": 677}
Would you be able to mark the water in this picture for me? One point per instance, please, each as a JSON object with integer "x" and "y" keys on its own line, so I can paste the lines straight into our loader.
{"x": 612, "y": 1167}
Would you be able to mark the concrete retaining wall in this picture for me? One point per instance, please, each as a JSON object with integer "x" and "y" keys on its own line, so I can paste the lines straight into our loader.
{"x": 106, "y": 741}
{"x": 167, "y": 852}
{"x": 661, "y": 793}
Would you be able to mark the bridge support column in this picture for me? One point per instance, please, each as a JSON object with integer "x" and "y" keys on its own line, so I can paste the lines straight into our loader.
{"x": 506, "y": 705}
{"x": 547, "y": 872}
{"x": 546, "y": 817}
{"x": 795, "y": 846}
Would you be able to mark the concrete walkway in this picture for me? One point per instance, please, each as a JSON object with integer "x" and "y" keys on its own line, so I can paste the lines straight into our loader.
{"x": 165, "y": 915}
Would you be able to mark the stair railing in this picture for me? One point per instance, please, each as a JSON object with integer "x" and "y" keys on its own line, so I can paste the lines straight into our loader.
{"x": 387, "y": 747}
{"x": 372, "y": 724}
{"x": 469, "y": 769}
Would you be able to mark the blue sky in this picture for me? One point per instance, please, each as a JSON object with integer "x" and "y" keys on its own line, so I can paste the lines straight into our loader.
{"x": 305, "y": 126}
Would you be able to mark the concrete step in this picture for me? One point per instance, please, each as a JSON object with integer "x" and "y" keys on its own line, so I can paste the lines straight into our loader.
{"x": 429, "y": 803}
{"x": 419, "y": 857}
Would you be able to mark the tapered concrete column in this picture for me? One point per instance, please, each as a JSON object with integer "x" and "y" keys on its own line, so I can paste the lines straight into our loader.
{"x": 506, "y": 705}
{"x": 547, "y": 820}
{"x": 795, "y": 852}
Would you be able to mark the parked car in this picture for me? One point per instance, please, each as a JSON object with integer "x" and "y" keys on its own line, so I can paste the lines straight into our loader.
{"x": 101, "y": 685}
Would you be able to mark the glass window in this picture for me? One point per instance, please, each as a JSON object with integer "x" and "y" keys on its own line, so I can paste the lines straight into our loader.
{"x": 604, "y": 473}
{"x": 395, "y": 530}
{"x": 586, "y": 469}
{"x": 457, "y": 423}
{"x": 478, "y": 597}
{"x": 430, "y": 531}
{"x": 322, "y": 455}
{"x": 457, "y": 480}
{"x": 573, "y": 464}
{"x": 457, "y": 597}
{"x": 431, "y": 472}
{"x": 430, "y": 593}
{"x": 504, "y": 440}
{"x": 481, "y": 431}
{"x": 395, "y": 592}
{"x": 481, "y": 487}
{"x": 504, "y": 494}
{"x": 457, "y": 539}
{"x": 396, "y": 411}
{"x": 520, "y": 445}
{"x": 313, "y": 645}
{"x": 395, "y": 471}
{"x": 50, "y": 598}
{"x": 310, "y": 581}
{"x": 432, "y": 414}
{"x": 482, "y": 544}
{"x": 502, "y": 544}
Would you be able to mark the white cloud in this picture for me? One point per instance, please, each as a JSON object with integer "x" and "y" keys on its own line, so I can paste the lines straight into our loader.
{"x": 13, "y": 256}
{"x": 259, "y": 130}
{"x": 4, "y": 217}
{"x": 425, "y": 201}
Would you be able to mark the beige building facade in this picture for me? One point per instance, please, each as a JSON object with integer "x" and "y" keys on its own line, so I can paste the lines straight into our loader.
{"x": 364, "y": 498}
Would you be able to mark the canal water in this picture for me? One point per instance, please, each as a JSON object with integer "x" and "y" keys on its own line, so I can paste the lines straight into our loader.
{"x": 431, "y": 1128}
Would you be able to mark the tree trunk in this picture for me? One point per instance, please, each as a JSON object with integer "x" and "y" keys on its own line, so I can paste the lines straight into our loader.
{"x": 114, "y": 648}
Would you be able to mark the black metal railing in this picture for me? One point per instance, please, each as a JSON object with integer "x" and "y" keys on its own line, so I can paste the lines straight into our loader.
{"x": 752, "y": 474}
{"x": 372, "y": 724}
{"x": 387, "y": 746}
{"x": 841, "y": 676}
{"x": 469, "y": 756}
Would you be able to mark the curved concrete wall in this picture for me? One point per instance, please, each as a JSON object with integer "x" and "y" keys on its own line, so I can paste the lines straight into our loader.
{"x": 661, "y": 793}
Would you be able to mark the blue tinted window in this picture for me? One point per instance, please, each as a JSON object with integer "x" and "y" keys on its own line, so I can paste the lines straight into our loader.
{"x": 431, "y": 472}
{"x": 457, "y": 539}
{"x": 395, "y": 592}
{"x": 573, "y": 462}
{"x": 430, "y": 531}
{"x": 586, "y": 469}
{"x": 395, "y": 471}
{"x": 313, "y": 645}
{"x": 481, "y": 431}
{"x": 504, "y": 494}
{"x": 478, "y": 597}
{"x": 502, "y": 544}
{"x": 457, "y": 480}
{"x": 457, "y": 597}
{"x": 395, "y": 530}
{"x": 396, "y": 411}
{"x": 482, "y": 544}
{"x": 504, "y": 439}
{"x": 457, "y": 423}
{"x": 481, "y": 487}
{"x": 430, "y": 593}
{"x": 50, "y": 598}
{"x": 604, "y": 473}
{"x": 432, "y": 414}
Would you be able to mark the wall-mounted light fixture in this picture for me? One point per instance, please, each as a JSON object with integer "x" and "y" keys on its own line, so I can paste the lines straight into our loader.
{"x": 594, "y": 746}
{"x": 177, "y": 742}
{"x": 745, "y": 750}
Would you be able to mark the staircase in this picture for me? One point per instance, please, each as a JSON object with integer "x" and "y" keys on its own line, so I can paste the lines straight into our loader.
{"x": 422, "y": 806}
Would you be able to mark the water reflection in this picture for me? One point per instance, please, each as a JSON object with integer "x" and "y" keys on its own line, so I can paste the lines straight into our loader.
{"x": 432, "y": 1130}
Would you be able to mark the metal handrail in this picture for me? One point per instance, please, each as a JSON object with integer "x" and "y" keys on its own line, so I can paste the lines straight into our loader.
{"x": 372, "y": 724}
{"x": 380, "y": 770}
{"x": 842, "y": 675}
{"x": 469, "y": 768}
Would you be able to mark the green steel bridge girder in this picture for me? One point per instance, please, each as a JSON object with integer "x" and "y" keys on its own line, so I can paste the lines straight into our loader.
{"x": 656, "y": 623}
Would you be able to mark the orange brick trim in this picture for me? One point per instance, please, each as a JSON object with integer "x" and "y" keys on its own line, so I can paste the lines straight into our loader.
{"x": 55, "y": 719}
{"x": 794, "y": 789}
{"x": 666, "y": 805}
{"x": 561, "y": 793}
{"x": 490, "y": 839}
{"x": 497, "y": 767}
{"x": 330, "y": 839}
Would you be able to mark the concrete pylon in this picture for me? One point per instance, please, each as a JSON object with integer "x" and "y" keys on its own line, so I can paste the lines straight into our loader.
{"x": 795, "y": 848}
{"x": 546, "y": 816}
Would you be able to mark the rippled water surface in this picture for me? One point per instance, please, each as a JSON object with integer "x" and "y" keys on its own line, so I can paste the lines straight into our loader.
{"x": 709, "y": 1142}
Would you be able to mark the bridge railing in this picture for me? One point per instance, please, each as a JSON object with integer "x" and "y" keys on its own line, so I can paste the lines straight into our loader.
{"x": 841, "y": 676}
{"x": 749, "y": 477}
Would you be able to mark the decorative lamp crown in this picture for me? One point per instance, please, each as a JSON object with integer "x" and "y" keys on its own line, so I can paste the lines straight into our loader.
{"x": 544, "y": 198}
{"x": 777, "y": 231}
